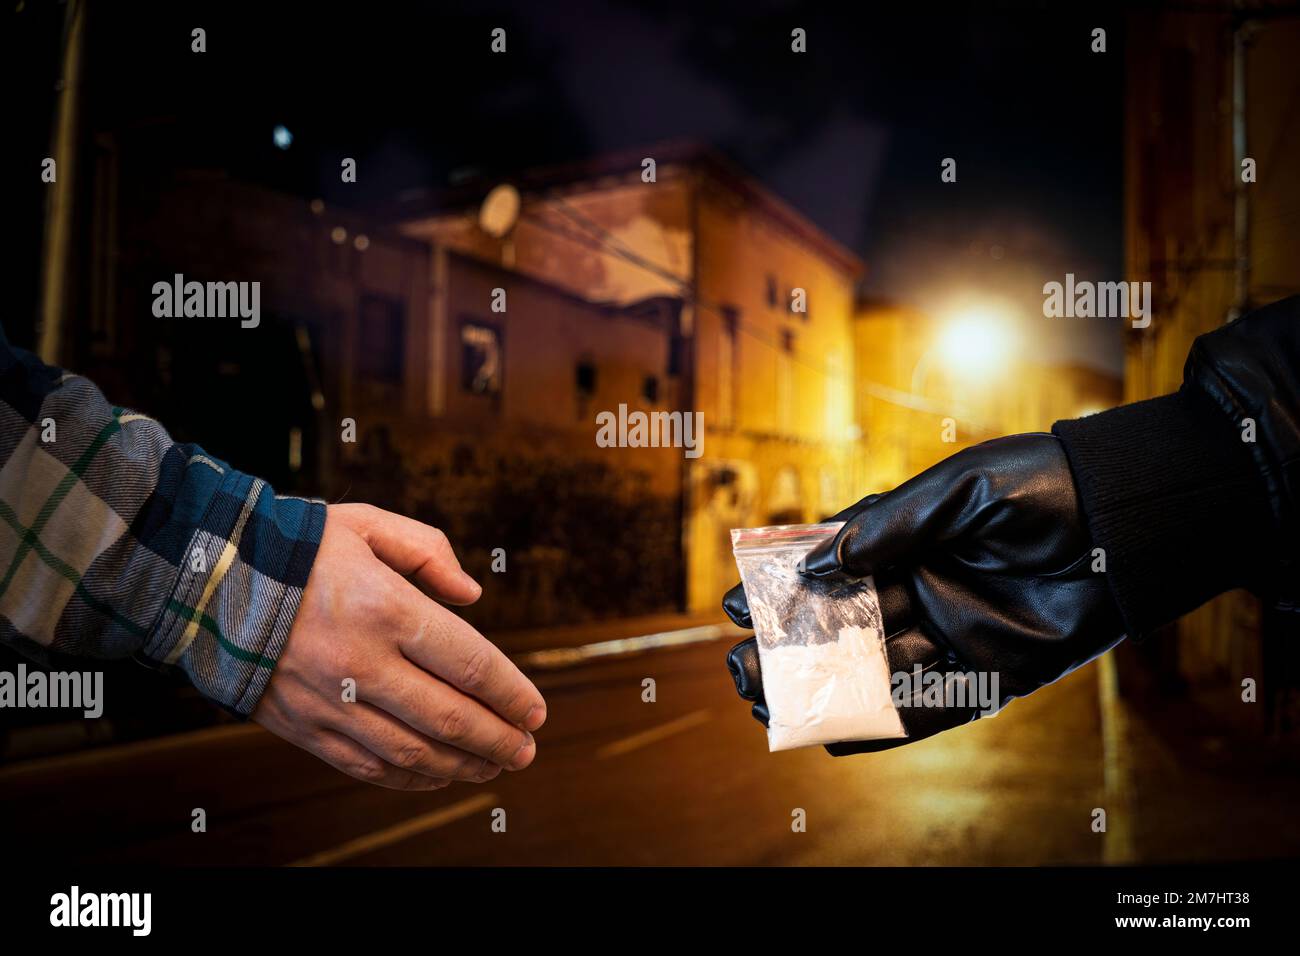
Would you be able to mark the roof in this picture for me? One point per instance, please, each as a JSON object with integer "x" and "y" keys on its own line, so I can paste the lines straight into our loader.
{"x": 585, "y": 173}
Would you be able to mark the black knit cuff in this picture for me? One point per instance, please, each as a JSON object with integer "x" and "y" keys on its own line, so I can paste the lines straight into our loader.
{"x": 1174, "y": 498}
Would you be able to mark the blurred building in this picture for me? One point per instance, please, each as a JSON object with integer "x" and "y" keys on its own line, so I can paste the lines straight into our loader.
{"x": 449, "y": 359}
{"x": 762, "y": 345}
{"x": 381, "y": 372}
{"x": 914, "y": 411}
{"x": 1209, "y": 91}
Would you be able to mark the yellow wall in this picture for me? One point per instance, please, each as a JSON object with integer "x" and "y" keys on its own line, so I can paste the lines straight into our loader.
{"x": 778, "y": 420}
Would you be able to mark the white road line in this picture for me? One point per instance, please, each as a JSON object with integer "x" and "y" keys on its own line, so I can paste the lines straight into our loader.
{"x": 399, "y": 832}
{"x": 1117, "y": 844}
{"x": 557, "y": 657}
{"x": 647, "y": 737}
{"x": 140, "y": 748}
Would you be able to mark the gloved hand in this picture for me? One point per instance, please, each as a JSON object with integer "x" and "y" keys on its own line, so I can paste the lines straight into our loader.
{"x": 982, "y": 563}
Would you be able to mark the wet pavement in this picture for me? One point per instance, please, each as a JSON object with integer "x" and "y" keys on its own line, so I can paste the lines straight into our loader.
{"x": 686, "y": 779}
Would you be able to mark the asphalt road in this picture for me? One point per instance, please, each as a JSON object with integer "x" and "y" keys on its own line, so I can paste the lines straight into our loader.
{"x": 686, "y": 779}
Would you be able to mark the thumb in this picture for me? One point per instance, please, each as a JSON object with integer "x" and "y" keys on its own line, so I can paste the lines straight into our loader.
{"x": 883, "y": 531}
{"x": 413, "y": 549}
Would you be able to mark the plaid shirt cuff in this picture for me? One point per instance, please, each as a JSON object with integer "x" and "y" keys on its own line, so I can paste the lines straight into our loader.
{"x": 117, "y": 541}
{"x": 240, "y": 582}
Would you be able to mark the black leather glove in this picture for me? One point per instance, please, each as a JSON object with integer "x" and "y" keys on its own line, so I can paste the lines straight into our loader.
{"x": 982, "y": 563}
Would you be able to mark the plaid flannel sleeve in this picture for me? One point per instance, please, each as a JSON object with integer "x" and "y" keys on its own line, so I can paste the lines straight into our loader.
{"x": 116, "y": 540}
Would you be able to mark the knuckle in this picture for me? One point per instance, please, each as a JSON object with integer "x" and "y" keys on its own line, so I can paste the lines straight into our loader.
{"x": 476, "y": 670}
{"x": 409, "y": 756}
{"x": 454, "y": 723}
{"x": 507, "y": 745}
{"x": 427, "y": 633}
{"x": 371, "y": 771}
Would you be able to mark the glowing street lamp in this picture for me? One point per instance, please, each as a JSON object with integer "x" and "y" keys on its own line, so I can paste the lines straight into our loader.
{"x": 976, "y": 344}
{"x": 972, "y": 346}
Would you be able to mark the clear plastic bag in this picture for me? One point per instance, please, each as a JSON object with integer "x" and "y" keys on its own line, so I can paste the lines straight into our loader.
{"x": 821, "y": 644}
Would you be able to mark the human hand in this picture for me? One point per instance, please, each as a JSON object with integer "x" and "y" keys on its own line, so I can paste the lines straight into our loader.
{"x": 982, "y": 563}
{"x": 435, "y": 701}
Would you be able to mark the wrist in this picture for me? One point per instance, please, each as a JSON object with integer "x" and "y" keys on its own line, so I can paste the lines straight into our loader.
{"x": 1172, "y": 496}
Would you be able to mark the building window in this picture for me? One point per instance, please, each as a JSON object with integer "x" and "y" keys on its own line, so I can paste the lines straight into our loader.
{"x": 482, "y": 361}
{"x": 728, "y": 366}
{"x": 380, "y": 349}
{"x": 785, "y": 383}
{"x": 650, "y": 389}
{"x": 773, "y": 292}
{"x": 381, "y": 338}
{"x": 584, "y": 378}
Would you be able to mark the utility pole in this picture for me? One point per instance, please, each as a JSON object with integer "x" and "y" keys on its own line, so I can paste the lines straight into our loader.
{"x": 1241, "y": 35}
{"x": 58, "y": 214}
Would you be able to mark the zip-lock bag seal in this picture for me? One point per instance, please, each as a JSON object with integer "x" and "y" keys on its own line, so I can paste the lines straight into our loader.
{"x": 821, "y": 642}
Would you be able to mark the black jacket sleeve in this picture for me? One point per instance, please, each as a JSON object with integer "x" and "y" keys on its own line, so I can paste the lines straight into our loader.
{"x": 1195, "y": 493}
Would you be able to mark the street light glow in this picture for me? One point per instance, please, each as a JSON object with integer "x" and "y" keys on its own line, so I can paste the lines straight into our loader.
{"x": 976, "y": 343}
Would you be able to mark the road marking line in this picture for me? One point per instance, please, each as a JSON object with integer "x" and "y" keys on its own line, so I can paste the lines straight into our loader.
{"x": 399, "y": 832}
{"x": 1117, "y": 843}
{"x": 138, "y": 748}
{"x": 557, "y": 657}
{"x": 647, "y": 737}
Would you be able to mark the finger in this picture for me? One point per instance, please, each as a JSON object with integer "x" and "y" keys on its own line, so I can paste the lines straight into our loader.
{"x": 742, "y": 661}
{"x": 878, "y": 536}
{"x": 888, "y": 529}
{"x": 346, "y": 755}
{"x": 736, "y": 605}
{"x": 851, "y": 510}
{"x": 941, "y": 504}
{"x": 895, "y": 598}
{"x": 443, "y": 713}
{"x": 415, "y": 550}
{"x": 398, "y": 744}
{"x": 444, "y": 645}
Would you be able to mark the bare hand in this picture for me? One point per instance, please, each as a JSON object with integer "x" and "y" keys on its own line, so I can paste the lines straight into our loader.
{"x": 435, "y": 701}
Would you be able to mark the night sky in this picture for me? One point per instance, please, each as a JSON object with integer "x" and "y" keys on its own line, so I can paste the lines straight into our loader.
{"x": 851, "y": 133}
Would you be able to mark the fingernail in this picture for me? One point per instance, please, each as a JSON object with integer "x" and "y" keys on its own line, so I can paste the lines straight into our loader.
{"x": 821, "y": 560}
{"x": 520, "y": 759}
{"x": 536, "y": 717}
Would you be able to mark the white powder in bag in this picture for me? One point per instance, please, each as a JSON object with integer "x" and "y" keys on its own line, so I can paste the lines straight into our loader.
{"x": 821, "y": 646}
{"x": 824, "y": 693}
